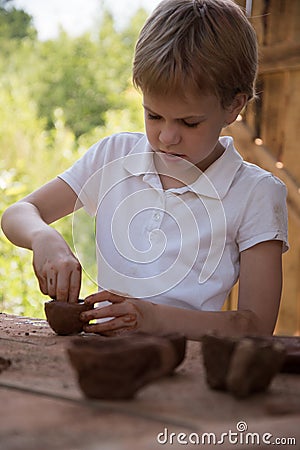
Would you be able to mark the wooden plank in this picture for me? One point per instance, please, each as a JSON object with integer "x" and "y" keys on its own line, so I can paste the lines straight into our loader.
{"x": 44, "y": 408}
{"x": 262, "y": 156}
{"x": 36, "y": 422}
{"x": 280, "y": 57}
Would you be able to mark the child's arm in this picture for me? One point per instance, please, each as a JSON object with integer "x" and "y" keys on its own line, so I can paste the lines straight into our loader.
{"x": 259, "y": 298}
{"x": 260, "y": 282}
{"x": 26, "y": 224}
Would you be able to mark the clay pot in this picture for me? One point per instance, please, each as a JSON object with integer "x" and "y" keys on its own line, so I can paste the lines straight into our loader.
{"x": 242, "y": 366}
{"x": 117, "y": 367}
{"x": 64, "y": 317}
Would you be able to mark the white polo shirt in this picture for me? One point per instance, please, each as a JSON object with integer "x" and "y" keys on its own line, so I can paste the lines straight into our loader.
{"x": 178, "y": 246}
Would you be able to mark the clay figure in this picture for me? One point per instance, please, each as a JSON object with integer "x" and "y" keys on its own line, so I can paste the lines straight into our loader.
{"x": 241, "y": 366}
{"x": 117, "y": 367}
{"x": 64, "y": 317}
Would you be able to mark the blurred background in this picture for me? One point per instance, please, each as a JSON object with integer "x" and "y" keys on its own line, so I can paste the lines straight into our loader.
{"x": 267, "y": 135}
{"x": 65, "y": 82}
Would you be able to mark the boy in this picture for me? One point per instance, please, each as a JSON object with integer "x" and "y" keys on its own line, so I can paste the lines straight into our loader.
{"x": 180, "y": 217}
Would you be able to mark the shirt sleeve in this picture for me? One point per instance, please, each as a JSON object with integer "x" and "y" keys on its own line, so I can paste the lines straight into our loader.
{"x": 265, "y": 216}
{"x": 83, "y": 176}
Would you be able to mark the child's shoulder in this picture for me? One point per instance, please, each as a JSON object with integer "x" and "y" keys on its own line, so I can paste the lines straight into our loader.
{"x": 247, "y": 177}
{"x": 115, "y": 146}
{"x": 254, "y": 175}
{"x": 125, "y": 138}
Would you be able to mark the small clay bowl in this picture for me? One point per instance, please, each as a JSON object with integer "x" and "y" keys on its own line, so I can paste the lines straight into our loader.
{"x": 64, "y": 317}
{"x": 115, "y": 368}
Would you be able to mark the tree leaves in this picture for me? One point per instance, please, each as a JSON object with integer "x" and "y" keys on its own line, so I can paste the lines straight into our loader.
{"x": 56, "y": 99}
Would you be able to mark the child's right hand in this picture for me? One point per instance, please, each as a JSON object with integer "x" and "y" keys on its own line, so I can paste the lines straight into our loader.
{"x": 26, "y": 224}
{"x": 57, "y": 269}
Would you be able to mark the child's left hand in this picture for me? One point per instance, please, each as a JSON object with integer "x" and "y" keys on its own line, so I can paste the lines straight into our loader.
{"x": 127, "y": 315}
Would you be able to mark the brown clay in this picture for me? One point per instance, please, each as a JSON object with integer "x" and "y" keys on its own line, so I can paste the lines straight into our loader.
{"x": 291, "y": 344}
{"x": 253, "y": 366}
{"x": 117, "y": 367}
{"x": 217, "y": 353}
{"x": 64, "y": 317}
{"x": 241, "y": 366}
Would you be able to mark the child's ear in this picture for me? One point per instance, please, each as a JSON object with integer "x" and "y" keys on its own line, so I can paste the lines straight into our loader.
{"x": 234, "y": 109}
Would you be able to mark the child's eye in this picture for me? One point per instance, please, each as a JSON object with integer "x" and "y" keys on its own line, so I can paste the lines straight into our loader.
{"x": 153, "y": 117}
{"x": 190, "y": 125}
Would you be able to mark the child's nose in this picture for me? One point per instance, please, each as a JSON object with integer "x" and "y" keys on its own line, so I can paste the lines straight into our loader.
{"x": 169, "y": 135}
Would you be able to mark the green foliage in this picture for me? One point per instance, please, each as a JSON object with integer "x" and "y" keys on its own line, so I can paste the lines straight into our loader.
{"x": 14, "y": 23}
{"x": 56, "y": 99}
{"x": 86, "y": 76}
{"x": 75, "y": 84}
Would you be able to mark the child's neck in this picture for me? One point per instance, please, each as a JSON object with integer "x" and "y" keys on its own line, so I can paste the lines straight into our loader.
{"x": 170, "y": 183}
{"x": 210, "y": 159}
{"x": 175, "y": 175}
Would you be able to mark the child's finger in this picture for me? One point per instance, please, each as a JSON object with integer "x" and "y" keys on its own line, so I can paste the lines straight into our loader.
{"x": 114, "y": 310}
{"x": 52, "y": 283}
{"x": 42, "y": 284}
{"x": 104, "y": 296}
{"x": 75, "y": 284}
{"x": 62, "y": 286}
{"x": 117, "y": 325}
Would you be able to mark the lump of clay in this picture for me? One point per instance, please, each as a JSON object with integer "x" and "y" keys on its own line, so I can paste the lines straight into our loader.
{"x": 117, "y": 367}
{"x": 64, "y": 317}
{"x": 217, "y": 353}
{"x": 248, "y": 364}
{"x": 253, "y": 366}
{"x": 292, "y": 360}
{"x": 291, "y": 344}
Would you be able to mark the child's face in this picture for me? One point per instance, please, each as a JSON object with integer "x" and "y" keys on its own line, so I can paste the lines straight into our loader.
{"x": 187, "y": 128}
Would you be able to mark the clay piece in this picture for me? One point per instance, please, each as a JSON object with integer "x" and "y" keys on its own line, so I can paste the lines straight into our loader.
{"x": 291, "y": 344}
{"x": 117, "y": 367}
{"x": 64, "y": 317}
{"x": 216, "y": 355}
{"x": 249, "y": 364}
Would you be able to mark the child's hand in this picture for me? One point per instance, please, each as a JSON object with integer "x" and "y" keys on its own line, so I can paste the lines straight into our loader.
{"x": 129, "y": 314}
{"x": 57, "y": 269}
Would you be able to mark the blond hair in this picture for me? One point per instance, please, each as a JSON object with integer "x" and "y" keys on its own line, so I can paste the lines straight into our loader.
{"x": 207, "y": 45}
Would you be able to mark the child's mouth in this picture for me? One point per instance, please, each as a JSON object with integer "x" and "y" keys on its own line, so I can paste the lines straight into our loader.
{"x": 172, "y": 155}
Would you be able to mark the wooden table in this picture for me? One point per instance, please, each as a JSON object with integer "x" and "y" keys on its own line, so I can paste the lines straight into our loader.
{"x": 42, "y": 407}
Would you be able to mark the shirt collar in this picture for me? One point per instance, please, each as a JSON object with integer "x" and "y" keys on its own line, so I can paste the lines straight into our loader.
{"x": 139, "y": 160}
{"x": 214, "y": 182}
{"x": 217, "y": 179}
